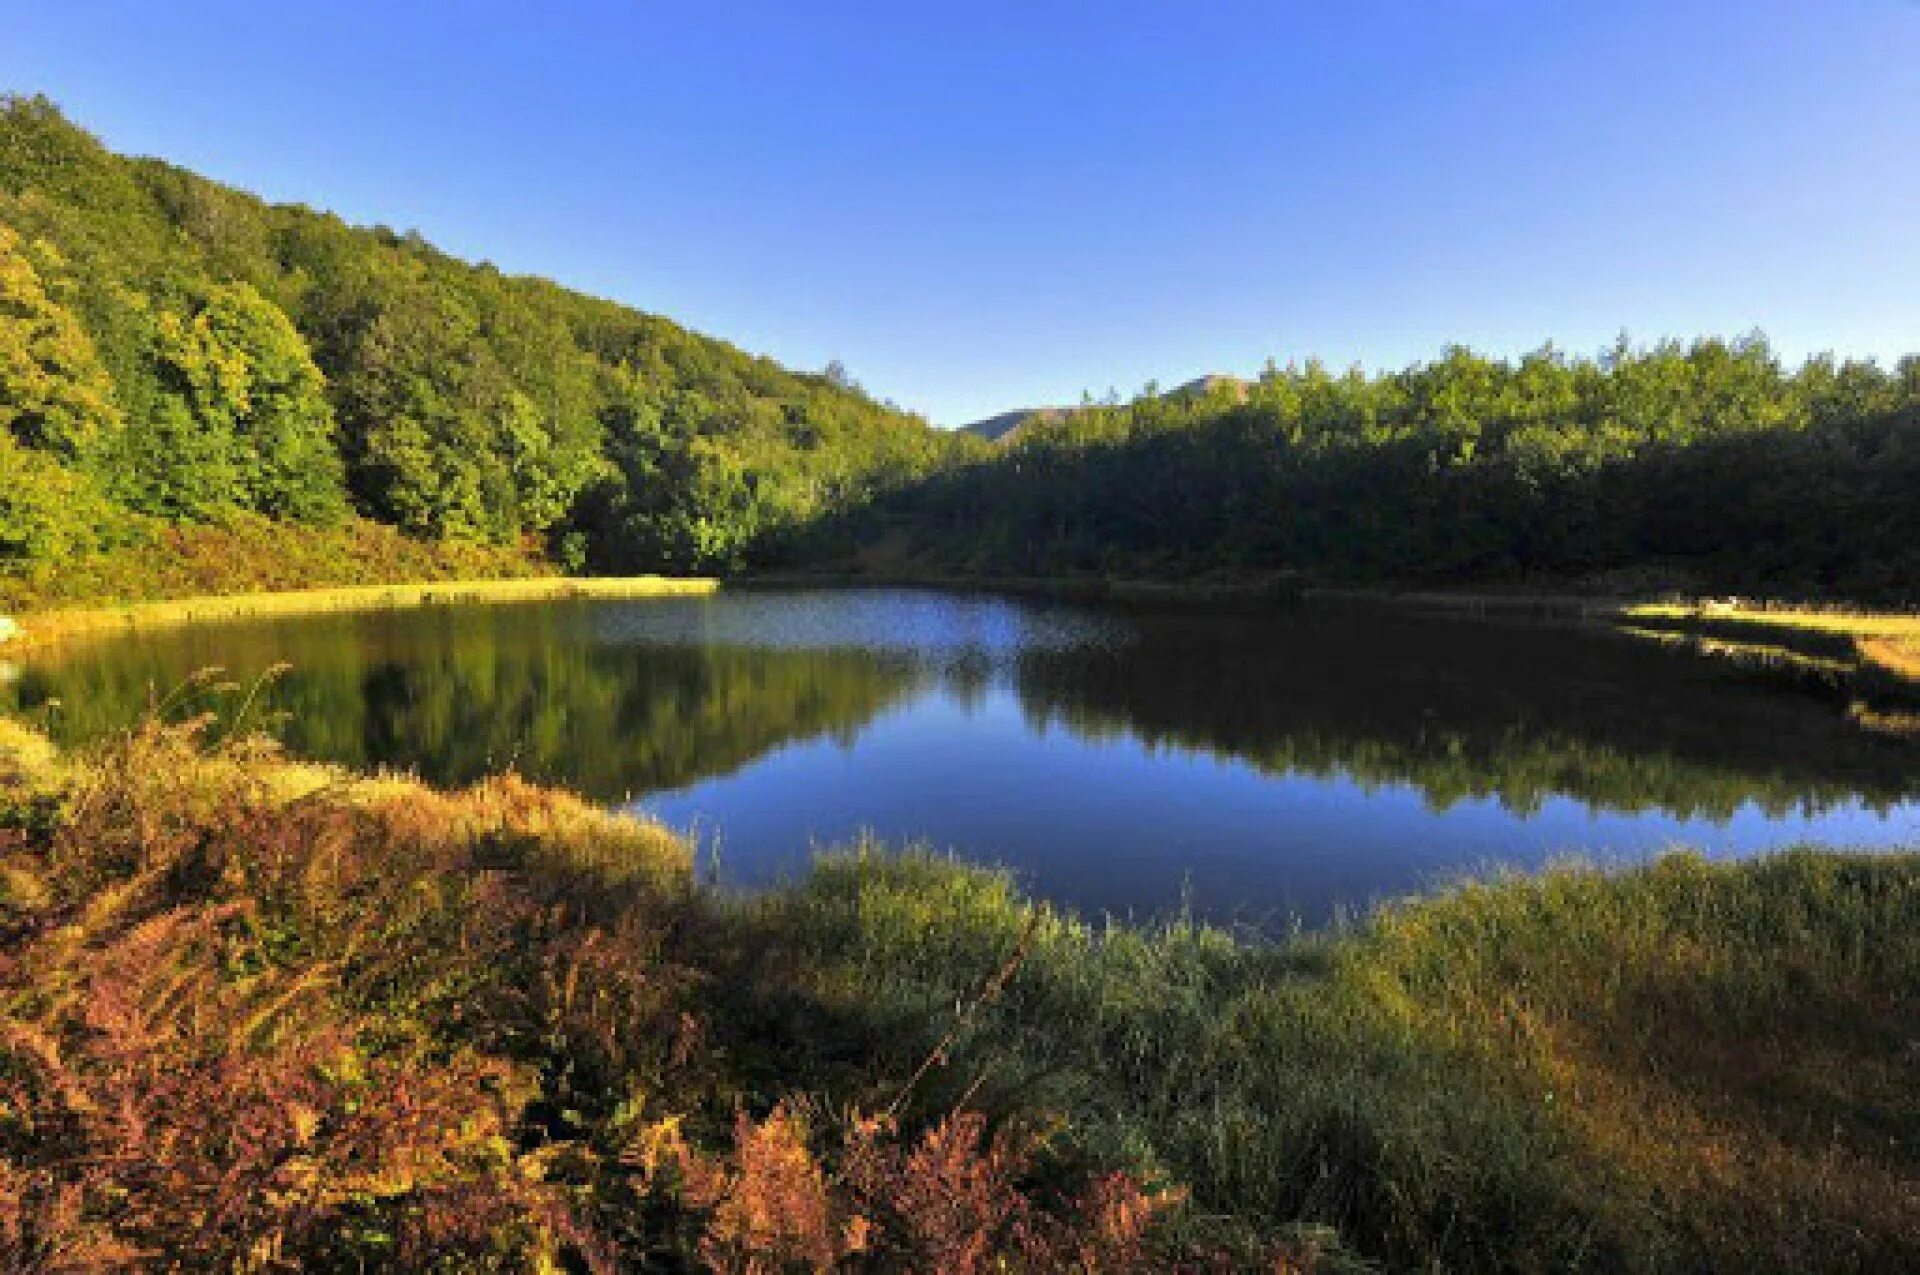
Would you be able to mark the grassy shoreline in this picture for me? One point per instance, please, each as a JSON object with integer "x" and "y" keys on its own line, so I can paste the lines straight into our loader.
{"x": 1870, "y": 659}
{"x": 49, "y": 626}
{"x": 368, "y": 1021}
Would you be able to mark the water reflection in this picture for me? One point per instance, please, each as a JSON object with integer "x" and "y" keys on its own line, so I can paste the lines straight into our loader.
{"x": 1460, "y": 709}
{"x": 1279, "y": 763}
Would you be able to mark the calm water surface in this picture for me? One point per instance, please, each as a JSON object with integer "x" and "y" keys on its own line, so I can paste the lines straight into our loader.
{"x": 1253, "y": 768}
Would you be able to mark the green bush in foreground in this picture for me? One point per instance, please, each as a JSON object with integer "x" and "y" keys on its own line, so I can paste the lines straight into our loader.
{"x": 259, "y": 1015}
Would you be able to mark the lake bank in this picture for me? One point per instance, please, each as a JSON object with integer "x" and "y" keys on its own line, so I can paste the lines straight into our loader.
{"x": 1685, "y": 1065}
{"x": 151, "y": 561}
{"x": 61, "y": 624}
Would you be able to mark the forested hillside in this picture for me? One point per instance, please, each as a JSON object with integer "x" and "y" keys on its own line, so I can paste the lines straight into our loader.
{"x": 175, "y": 354}
{"x": 191, "y": 376}
{"x": 1700, "y": 466}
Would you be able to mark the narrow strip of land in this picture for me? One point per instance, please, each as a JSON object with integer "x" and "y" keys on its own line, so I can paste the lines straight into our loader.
{"x": 58, "y": 625}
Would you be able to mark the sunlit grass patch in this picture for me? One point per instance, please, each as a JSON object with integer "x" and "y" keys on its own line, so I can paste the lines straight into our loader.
{"x": 1853, "y": 623}
{"x": 1887, "y": 640}
{"x": 249, "y": 553}
{"x": 27, "y": 757}
{"x": 58, "y": 625}
{"x": 1871, "y": 658}
{"x": 1895, "y": 655}
{"x": 1733, "y": 1043}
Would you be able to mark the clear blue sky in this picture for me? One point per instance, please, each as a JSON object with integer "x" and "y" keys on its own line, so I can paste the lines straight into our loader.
{"x": 995, "y": 204}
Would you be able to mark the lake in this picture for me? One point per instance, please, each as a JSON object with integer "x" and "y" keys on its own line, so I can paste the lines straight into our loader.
{"x": 1256, "y": 768}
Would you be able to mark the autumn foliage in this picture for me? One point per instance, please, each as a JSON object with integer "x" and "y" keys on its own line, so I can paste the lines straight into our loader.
{"x": 261, "y": 1017}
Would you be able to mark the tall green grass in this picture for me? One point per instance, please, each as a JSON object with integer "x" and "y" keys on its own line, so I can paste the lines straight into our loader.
{"x": 1674, "y": 1066}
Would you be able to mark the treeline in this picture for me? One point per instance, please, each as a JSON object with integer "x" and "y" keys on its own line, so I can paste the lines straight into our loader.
{"x": 174, "y": 352}
{"x": 178, "y": 354}
{"x": 1701, "y": 466}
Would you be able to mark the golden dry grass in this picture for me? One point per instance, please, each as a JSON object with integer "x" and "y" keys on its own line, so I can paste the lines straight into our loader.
{"x": 1899, "y": 656}
{"x": 27, "y": 757}
{"x": 1850, "y": 623}
{"x": 1876, "y": 654}
{"x": 54, "y": 626}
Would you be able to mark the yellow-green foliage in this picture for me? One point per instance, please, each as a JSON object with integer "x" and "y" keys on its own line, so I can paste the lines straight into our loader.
{"x": 246, "y": 553}
{"x": 54, "y": 395}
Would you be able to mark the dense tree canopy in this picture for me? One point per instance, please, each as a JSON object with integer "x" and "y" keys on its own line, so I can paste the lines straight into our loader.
{"x": 1707, "y": 465}
{"x": 54, "y": 394}
{"x": 183, "y": 350}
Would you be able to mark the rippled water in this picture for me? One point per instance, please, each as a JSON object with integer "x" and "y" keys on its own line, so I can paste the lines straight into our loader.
{"x": 1256, "y": 768}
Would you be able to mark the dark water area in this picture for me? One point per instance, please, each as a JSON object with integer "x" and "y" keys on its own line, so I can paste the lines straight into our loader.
{"x": 1252, "y": 768}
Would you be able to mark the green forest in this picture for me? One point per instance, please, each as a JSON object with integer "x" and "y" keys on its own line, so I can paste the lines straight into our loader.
{"x": 187, "y": 369}
{"x": 1706, "y": 466}
{"x": 176, "y": 353}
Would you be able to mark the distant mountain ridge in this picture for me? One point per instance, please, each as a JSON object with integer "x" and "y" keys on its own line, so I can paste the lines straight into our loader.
{"x": 1212, "y": 383}
{"x": 1003, "y": 427}
{"x": 999, "y": 428}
